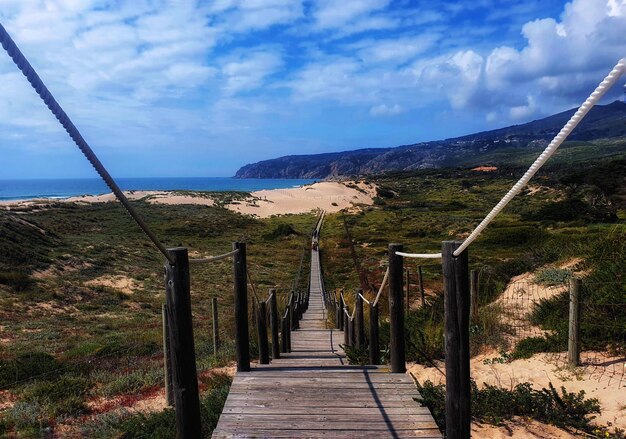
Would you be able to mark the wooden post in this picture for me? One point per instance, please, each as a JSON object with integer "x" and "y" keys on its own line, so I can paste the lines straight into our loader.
{"x": 338, "y": 312}
{"x": 167, "y": 364}
{"x": 573, "y": 344}
{"x": 183, "y": 359}
{"x": 359, "y": 332}
{"x": 407, "y": 298}
{"x": 216, "y": 327}
{"x": 421, "y": 280}
{"x": 456, "y": 330}
{"x": 289, "y": 328}
{"x": 474, "y": 295}
{"x": 284, "y": 342}
{"x": 242, "y": 337}
{"x": 293, "y": 309}
{"x": 261, "y": 329}
{"x": 346, "y": 330}
{"x": 396, "y": 310}
{"x": 274, "y": 324}
{"x": 374, "y": 343}
{"x": 342, "y": 315}
{"x": 352, "y": 331}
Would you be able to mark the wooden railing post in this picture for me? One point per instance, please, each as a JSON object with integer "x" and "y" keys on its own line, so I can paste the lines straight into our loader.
{"x": 338, "y": 311}
{"x": 407, "y": 293}
{"x": 342, "y": 315}
{"x": 374, "y": 342}
{"x": 284, "y": 341}
{"x": 274, "y": 324}
{"x": 396, "y": 310}
{"x": 261, "y": 326}
{"x": 473, "y": 295}
{"x": 359, "y": 336}
{"x": 242, "y": 337}
{"x": 289, "y": 328}
{"x": 352, "y": 331}
{"x": 421, "y": 281}
{"x": 573, "y": 344}
{"x": 216, "y": 327}
{"x": 346, "y": 327}
{"x": 456, "y": 330}
{"x": 293, "y": 311}
{"x": 183, "y": 359}
{"x": 167, "y": 363}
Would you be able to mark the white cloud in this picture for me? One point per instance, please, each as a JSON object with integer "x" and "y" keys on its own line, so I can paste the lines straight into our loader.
{"x": 559, "y": 66}
{"x": 248, "y": 15}
{"x": 249, "y": 71}
{"x": 589, "y": 37}
{"x": 457, "y": 76}
{"x": 386, "y": 110}
{"x": 394, "y": 51}
{"x": 330, "y": 14}
{"x": 523, "y": 112}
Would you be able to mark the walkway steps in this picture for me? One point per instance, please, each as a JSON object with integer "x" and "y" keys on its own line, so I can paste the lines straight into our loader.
{"x": 313, "y": 393}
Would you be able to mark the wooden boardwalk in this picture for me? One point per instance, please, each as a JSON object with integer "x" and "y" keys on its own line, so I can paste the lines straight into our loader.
{"x": 312, "y": 392}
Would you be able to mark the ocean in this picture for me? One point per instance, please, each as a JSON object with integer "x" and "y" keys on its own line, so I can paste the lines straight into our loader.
{"x": 63, "y": 188}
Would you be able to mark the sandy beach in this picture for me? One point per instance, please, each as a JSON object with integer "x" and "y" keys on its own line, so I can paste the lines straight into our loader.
{"x": 329, "y": 196}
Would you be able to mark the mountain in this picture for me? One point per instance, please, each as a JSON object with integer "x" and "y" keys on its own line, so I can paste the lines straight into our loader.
{"x": 602, "y": 122}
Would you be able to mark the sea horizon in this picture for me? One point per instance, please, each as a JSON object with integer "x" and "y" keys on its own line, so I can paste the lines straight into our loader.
{"x": 61, "y": 188}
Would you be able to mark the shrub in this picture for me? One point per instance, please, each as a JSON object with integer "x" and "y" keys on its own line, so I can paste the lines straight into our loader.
{"x": 530, "y": 346}
{"x": 281, "y": 231}
{"x": 19, "y": 281}
{"x": 573, "y": 209}
{"x": 26, "y": 366}
{"x": 552, "y": 276}
{"x": 356, "y": 355}
{"x": 64, "y": 396}
{"x": 383, "y": 192}
{"x": 494, "y": 405}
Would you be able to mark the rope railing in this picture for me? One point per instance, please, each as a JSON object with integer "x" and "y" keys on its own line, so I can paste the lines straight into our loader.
{"x": 214, "y": 258}
{"x": 608, "y": 82}
{"x": 582, "y": 111}
{"x": 382, "y": 287}
{"x": 420, "y": 255}
{"x": 35, "y": 81}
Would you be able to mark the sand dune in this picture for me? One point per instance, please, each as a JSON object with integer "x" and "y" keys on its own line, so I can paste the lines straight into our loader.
{"x": 329, "y": 196}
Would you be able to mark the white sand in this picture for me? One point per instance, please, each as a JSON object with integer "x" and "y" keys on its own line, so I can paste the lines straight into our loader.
{"x": 329, "y": 196}
{"x": 598, "y": 382}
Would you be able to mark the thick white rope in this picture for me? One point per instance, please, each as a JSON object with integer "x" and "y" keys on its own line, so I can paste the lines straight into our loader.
{"x": 420, "y": 255}
{"x": 382, "y": 286}
{"x": 214, "y": 258}
{"x": 604, "y": 86}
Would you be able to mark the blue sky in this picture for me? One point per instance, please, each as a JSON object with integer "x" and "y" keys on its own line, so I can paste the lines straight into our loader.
{"x": 184, "y": 88}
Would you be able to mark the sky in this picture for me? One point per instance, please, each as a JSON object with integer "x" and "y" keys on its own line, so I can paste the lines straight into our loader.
{"x": 200, "y": 88}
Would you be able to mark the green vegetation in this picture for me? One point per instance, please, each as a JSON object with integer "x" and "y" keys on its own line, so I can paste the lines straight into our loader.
{"x": 426, "y": 207}
{"x": 80, "y": 298}
{"x": 495, "y": 405}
